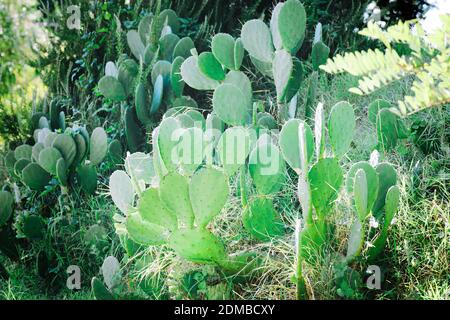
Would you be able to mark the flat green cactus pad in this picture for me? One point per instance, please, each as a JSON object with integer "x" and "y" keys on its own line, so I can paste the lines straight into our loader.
{"x": 175, "y": 77}
{"x": 341, "y": 127}
{"x": 292, "y": 25}
{"x": 23, "y": 151}
{"x": 152, "y": 210}
{"x": 194, "y": 78}
{"x": 87, "y": 178}
{"x": 66, "y": 146}
{"x": 174, "y": 194}
{"x": 261, "y": 220}
{"x": 61, "y": 172}
{"x": 121, "y": 190}
{"x": 48, "y": 158}
{"x": 289, "y": 143}
{"x": 372, "y": 181}
{"x": 325, "y": 179}
{"x": 111, "y": 88}
{"x": 387, "y": 178}
{"x": 208, "y": 193}
{"x": 144, "y": 232}
{"x": 98, "y": 146}
{"x": 210, "y": 67}
{"x": 234, "y": 147}
{"x": 222, "y": 46}
{"x": 183, "y": 48}
{"x": 197, "y": 245}
{"x": 257, "y": 40}
{"x": 35, "y": 177}
{"x": 167, "y": 45}
{"x": 267, "y": 168}
{"x": 231, "y": 104}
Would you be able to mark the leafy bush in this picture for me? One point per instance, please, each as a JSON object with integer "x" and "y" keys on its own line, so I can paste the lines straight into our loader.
{"x": 426, "y": 59}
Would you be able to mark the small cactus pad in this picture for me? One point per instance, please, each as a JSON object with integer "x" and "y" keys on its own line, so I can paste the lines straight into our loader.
{"x": 257, "y": 40}
{"x": 210, "y": 67}
{"x": 325, "y": 179}
{"x": 222, "y": 46}
{"x": 48, "y": 158}
{"x": 289, "y": 143}
{"x": 144, "y": 232}
{"x": 372, "y": 181}
{"x": 208, "y": 192}
{"x": 139, "y": 166}
{"x": 292, "y": 25}
{"x": 360, "y": 195}
{"x": 261, "y": 220}
{"x": 175, "y": 77}
{"x": 341, "y": 127}
{"x": 152, "y": 210}
{"x": 111, "y": 272}
{"x": 167, "y": 45}
{"x": 183, "y": 48}
{"x": 387, "y": 178}
{"x": 99, "y": 146}
{"x": 135, "y": 44}
{"x": 194, "y": 78}
{"x": 197, "y": 245}
{"x": 234, "y": 147}
{"x": 61, "y": 172}
{"x": 267, "y": 168}
{"x": 66, "y": 146}
{"x": 35, "y": 177}
{"x": 111, "y": 88}
{"x": 174, "y": 193}
{"x": 23, "y": 152}
{"x": 121, "y": 190}
{"x": 167, "y": 142}
{"x": 231, "y": 105}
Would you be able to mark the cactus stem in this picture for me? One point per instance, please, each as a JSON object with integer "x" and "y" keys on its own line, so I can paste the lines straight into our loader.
{"x": 243, "y": 185}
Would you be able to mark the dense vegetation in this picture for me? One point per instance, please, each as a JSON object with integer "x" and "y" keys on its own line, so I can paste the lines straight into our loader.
{"x": 181, "y": 154}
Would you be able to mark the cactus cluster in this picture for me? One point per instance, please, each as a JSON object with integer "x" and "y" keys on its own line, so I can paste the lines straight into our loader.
{"x": 60, "y": 154}
{"x": 372, "y": 188}
{"x": 154, "y": 80}
{"x": 176, "y": 212}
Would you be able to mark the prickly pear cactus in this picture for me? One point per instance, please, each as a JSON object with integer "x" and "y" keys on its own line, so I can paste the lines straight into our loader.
{"x": 61, "y": 155}
{"x": 320, "y": 181}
